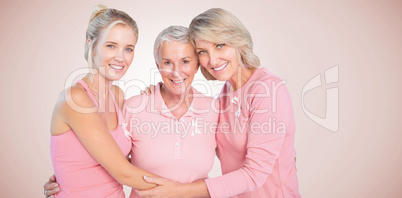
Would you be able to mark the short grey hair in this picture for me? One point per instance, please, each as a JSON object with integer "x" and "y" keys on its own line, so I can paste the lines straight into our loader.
{"x": 172, "y": 33}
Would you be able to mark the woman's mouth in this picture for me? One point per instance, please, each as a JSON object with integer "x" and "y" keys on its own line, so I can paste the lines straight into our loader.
{"x": 116, "y": 67}
{"x": 178, "y": 81}
{"x": 220, "y": 68}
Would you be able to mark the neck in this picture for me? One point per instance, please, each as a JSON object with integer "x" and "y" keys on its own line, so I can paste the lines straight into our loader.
{"x": 171, "y": 98}
{"x": 178, "y": 105}
{"x": 100, "y": 86}
{"x": 240, "y": 78}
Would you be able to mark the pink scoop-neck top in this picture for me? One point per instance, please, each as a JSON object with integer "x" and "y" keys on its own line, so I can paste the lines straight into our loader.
{"x": 77, "y": 172}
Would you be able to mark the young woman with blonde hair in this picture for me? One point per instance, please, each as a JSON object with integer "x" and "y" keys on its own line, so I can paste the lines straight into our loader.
{"x": 89, "y": 147}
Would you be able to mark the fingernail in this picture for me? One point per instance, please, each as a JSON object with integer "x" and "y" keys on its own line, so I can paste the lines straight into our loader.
{"x": 146, "y": 178}
{"x": 141, "y": 92}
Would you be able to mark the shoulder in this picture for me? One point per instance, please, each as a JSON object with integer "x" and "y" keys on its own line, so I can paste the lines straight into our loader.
{"x": 75, "y": 95}
{"x": 70, "y": 101}
{"x": 267, "y": 90}
{"x": 201, "y": 99}
{"x": 201, "y": 96}
{"x": 205, "y": 105}
{"x": 136, "y": 104}
{"x": 262, "y": 81}
{"x": 75, "y": 99}
{"x": 137, "y": 99}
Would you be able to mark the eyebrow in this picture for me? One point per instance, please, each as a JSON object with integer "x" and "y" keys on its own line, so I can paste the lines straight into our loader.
{"x": 116, "y": 43}
{"x": 181, "y": 58}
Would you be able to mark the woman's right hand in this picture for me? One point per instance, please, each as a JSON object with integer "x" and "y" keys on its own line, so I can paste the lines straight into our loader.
{"x": 148, "y": 90}
{"x": 51, "y": 188}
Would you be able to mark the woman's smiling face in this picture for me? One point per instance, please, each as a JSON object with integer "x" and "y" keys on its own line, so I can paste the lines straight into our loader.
{"x": 219, "y": 59}
{"x": 177, "y": 66}
{"x": 114, "y": 56}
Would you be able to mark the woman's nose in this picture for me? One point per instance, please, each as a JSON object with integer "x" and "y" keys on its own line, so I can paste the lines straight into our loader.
{"x": 213, "y": 59}
{"x": 176, "y": 72}
{"x": 119, "y": 56}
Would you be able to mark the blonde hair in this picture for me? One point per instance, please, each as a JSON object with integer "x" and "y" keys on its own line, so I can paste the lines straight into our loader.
{"x": 102, "y": 20}
{"x": 220, "y": 26}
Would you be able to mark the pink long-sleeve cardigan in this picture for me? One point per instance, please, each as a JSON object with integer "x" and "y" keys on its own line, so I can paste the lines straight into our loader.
{"x": 255, "y": 140}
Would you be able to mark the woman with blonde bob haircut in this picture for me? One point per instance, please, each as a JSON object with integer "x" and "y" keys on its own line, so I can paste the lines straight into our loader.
{"x": 256, "y": 130}
{"x": 220, "y": 26}
{"x": 88, "y": 145}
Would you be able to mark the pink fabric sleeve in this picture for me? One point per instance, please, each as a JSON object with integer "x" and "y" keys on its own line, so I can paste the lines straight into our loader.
{"x": 262, "y": 148}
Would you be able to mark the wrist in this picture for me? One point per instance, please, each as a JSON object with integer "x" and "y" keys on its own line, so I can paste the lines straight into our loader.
{"x": 196, "y": 189}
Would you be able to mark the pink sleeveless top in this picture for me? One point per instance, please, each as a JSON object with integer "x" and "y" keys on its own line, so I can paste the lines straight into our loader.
{"x": 77, "y": 172}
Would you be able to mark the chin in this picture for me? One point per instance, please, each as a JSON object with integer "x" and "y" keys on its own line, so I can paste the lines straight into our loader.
{"x": 177, "y": 90}
{"x": 114, "y": 78}
{"x": 221, "y": 77}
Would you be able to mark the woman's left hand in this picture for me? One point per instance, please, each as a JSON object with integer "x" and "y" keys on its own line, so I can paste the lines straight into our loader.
{"x": 166, "y": 188}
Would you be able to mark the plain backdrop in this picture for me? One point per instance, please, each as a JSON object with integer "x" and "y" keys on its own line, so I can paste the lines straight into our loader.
{"x": 42, "y": 46}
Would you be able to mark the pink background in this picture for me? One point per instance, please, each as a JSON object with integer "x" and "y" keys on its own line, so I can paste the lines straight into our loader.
{"x": 42, "y": 43}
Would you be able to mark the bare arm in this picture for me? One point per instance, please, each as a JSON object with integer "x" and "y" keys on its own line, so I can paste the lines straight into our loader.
{"x": 170, "y": 188}
{"x": 94, "y": 135}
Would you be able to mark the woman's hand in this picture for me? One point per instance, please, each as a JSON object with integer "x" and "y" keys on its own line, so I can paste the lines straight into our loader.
{"x": 148, "y": 90}
{"x": 166, "y": 188}
{"x": 51, "y": 187}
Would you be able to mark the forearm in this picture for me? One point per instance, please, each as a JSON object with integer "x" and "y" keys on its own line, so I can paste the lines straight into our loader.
{"x": 111, "y": 158}
{"x": 92, "y": 132}
{"x": 196, "y": 189}
{"x": 132, "y": 176}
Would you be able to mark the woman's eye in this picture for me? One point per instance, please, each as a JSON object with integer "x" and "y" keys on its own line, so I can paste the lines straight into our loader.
{"x": 220, "y": 45}
{"x": 110, "y": 46}
{"x": 201, "y": 52}
{"x": 167, "y": 63}
{"x": 186, "y": 61}
{"x": 129, "y": 49}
